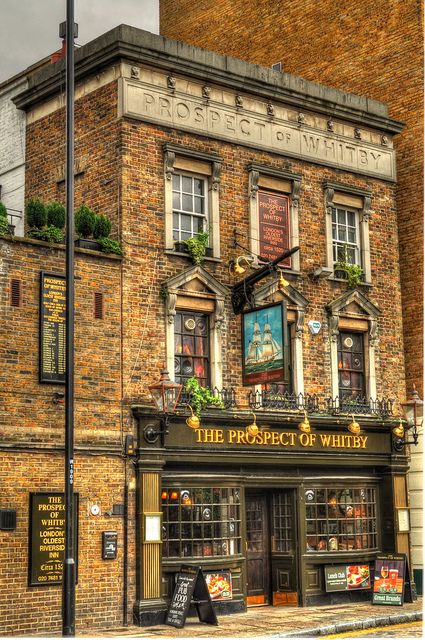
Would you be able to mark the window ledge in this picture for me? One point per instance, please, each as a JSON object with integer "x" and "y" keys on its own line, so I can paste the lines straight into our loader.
{"x": 181, "y": 254}
{"x": 335, "y": 279}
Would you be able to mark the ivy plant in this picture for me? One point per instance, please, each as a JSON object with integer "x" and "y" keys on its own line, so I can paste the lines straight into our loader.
{"x": 201, "y": 397}
{"x": 353, "y": 272}
{"x": 197, "y": 247}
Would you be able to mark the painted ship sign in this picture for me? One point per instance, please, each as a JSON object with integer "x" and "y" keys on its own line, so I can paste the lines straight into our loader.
{"x": 263, "y": 344}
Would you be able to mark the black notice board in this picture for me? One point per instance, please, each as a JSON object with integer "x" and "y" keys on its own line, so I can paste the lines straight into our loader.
{"x": 47, "y": 538}
{"x": 191, "y": 588}
{"x": 52, "y": 328}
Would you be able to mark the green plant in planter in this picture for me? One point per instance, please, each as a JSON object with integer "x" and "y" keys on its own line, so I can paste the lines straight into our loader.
{"x": 201, "y": 397}
{"x": 353, "y": 271}
{"x": 49, "y": 233}
{"x": 85, "y": 220}
{"x": 36, "y": 214}
{"x": 4, "y": 223}
{"x": 108, "y": 245}
{"x": 197, "y": 247}
{"x": 56, "y": 215}
{"x": 102, "y": 227}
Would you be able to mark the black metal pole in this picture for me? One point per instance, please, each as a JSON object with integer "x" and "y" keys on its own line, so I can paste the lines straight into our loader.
{"x": 68, "y": 586}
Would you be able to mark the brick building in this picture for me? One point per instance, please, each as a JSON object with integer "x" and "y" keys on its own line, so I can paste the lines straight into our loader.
{"x": 371, "y": 50}
{"x": 172, "y": 140}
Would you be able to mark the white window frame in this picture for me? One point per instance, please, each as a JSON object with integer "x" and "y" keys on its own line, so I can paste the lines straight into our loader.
{"x": 191, "y": 213}
{"x": 337, "y": 242}
{"x": 352, "y": 199}
{"x": 197, "y": 164}
{"x": 262, "y": 178}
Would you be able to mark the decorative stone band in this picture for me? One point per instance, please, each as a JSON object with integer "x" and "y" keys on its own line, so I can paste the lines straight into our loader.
{"x": 224, "y": 121}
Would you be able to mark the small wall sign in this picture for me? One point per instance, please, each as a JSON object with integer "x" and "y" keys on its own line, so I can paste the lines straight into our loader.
{"x": 314, "y": 326}
{"x": 152, "y": 527}
{"x": 347, "y": 577}
{"x": 109, "y": 545}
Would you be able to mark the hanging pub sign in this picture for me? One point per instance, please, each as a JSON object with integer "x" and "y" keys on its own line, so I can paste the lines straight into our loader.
{"x": 264, "y": 340}
{"x": 392, "y": 580}
{"x": 347, "y": 577}
{"x": 52, "y": 328}
{"x": 273, "y": 224}
{"x": 191, "y": 588}
{"x": 47, "y": 538}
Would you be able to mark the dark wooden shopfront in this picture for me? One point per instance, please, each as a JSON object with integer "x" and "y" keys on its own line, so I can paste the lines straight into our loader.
{"x": 272, "y": 511}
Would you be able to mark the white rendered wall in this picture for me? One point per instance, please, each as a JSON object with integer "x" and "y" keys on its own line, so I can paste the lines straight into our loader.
{"x": 12, "y": 153}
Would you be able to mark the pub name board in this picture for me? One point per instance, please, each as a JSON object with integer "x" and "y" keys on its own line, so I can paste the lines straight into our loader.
{"x": 52, "y": 327}
{"x": 280, "y": 439}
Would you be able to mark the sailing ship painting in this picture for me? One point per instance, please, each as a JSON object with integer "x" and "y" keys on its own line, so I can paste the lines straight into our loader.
{"x": 263, "y": 341}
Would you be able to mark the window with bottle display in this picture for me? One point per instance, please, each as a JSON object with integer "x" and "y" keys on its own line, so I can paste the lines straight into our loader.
{"x": 341, "y": 519}
{"x": 201, "y": 522}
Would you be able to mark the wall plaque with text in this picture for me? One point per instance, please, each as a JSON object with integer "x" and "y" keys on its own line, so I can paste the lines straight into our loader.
{"x": 47, "y": 538}
{"x": 52, "y": 327}
{"x": 273, "y": 219}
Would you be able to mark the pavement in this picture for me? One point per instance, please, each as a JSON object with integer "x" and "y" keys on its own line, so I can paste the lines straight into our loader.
{"x": 280, "y": 622}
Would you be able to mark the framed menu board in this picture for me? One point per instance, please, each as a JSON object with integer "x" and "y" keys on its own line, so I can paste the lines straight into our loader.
{"x": 52, "y": 328}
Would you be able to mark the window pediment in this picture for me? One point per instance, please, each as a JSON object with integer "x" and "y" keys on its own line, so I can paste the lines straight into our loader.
{"x": 353, "y": 302}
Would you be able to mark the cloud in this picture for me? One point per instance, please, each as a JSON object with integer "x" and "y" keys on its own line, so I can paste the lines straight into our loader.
{"x": 30, "y": 28}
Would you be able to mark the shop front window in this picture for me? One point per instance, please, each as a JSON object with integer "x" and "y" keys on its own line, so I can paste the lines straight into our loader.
{"x": 201, "y": 522}
{"x": 341, "y": 519}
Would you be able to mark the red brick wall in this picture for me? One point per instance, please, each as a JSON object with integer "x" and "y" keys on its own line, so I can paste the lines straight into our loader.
{"x": 32, "y": 436}
{"x": 373, "y": 49}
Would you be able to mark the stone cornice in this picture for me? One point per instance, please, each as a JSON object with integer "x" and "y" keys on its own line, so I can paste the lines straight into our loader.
{"x": 141, "y": 47}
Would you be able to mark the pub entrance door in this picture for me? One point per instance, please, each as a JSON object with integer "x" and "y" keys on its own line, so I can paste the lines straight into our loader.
{"x": 270, "y": 547}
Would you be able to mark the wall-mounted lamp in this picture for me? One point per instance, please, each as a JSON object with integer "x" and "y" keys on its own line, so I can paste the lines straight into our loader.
{"x": 193, "y": 421}
{"x": 252, "y": 429}
{"x": 235, "y": 265}
{"x": 354, "y": 426}
{"x": 413, "y": 410}
{"x": 398, "y": 431}
{"x": 305, "y": 425}
{"x": 165, "y": 394}
{"x": 282, "y": 284}
{"x": 58, "y": 397}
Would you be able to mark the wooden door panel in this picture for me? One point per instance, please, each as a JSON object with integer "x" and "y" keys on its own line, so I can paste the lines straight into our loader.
{"x": 258, "y": 548}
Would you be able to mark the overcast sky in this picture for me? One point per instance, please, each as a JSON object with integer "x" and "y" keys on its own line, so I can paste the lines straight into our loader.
{"x": 29, "y": 28}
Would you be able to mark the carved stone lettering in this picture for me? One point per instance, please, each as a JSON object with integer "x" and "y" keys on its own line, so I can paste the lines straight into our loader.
{"x": 224, "y": 121}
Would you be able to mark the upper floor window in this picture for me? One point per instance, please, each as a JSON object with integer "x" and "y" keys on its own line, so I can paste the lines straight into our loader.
{"x": 191, "y": 352}
{"x": 347, "y": 227}
{"x": 345, "y": 235}
{"x": 191, "y": 198}
{"x": 351, "y": 369}
{"x": 190, "y": 206}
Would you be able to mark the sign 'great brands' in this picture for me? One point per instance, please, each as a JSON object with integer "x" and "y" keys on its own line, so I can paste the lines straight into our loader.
{"x": 153, "y": 103}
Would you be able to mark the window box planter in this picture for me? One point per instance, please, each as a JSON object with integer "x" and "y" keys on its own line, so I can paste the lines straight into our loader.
{"x": 88, "y": 243}
{"x": 180, "y": 247}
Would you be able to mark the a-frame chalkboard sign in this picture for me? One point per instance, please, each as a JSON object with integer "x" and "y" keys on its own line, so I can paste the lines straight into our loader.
{"x": 191, "y": 588}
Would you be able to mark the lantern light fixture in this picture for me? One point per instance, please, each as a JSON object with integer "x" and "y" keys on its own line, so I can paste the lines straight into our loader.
{"x": 165, "y": 394}
{"x": 413, "y": 410}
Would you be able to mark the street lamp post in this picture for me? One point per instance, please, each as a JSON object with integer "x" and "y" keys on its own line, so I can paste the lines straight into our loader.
{"x": 68, "y": 31}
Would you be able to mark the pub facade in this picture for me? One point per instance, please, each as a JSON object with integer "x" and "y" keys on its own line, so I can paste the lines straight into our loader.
{"x": 292, "y": 319}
